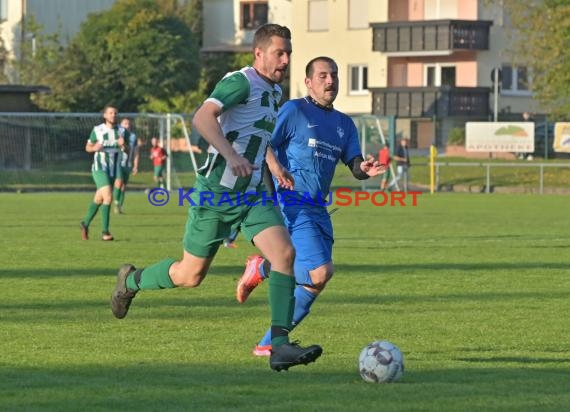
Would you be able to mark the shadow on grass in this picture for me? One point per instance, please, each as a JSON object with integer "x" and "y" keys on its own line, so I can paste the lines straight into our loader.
{"x": 251, "y": 386}
{"x": 186, "y": 305}
{"x": 236, "y": 271}
{"x": 101, "y": 271}
{"x": 514, "y": 359}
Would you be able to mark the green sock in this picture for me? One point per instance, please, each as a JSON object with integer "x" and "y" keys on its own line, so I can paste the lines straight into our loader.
{"x": 282, "y": 303}
{"x": 153, "y": 277}
{"x": 121, "y": 197}
{"x": 116, "y": 194}
{"x": 91, "y": 212}
{"x": 105, "y": 216}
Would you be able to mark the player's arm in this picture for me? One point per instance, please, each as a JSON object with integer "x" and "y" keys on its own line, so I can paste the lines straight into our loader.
{"x": 228, "y": 93}
{"x": 363, "y": 169}
{"x": 284, "y": 178}
{"x": 92, "y": 144}
{"x": 122, "y": 140}
{"x": 206, "y": 122}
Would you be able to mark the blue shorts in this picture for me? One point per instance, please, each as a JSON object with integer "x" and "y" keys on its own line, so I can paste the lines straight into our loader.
{"x": 312, "y": 234}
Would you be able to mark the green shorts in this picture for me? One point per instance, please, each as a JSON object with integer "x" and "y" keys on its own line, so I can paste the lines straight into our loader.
{"x": 209, "y": 224}
{"x": 124, "y": 174}
{"x": 387, "y": 174}
{"x": 102, "y": 179}
{"x": 158, "y": 171}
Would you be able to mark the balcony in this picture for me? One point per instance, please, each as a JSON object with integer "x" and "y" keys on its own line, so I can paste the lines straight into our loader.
{"x": 430, "y": 37}
{"x": 431, "y": 101}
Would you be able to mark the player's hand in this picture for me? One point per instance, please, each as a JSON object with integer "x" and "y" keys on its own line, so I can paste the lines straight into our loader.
{"x": 285, "y": 179}
{"x": 97, "y": 147}
{"x": 240, "y": 166}
{"x": 372, "y": 168}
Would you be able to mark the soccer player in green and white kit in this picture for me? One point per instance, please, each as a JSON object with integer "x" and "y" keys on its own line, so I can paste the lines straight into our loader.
{"x": 105, "y": 142}
{"x": 236, "y": 120}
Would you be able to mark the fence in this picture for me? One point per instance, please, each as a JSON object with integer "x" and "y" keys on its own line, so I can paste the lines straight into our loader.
{"x": 48, "y": 149}
{"x": 488, "y": 186}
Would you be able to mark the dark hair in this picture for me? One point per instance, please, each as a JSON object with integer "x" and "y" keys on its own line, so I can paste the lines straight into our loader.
{"x": 263, "y": 35}
{"x": 109, "y": 106}
{"x": 309, "y": 67}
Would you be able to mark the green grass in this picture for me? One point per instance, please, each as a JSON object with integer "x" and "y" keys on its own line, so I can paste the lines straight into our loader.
{"x": 474, "y": 290}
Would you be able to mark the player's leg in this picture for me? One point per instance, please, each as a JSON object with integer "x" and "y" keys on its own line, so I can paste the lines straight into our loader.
{"x": 385, "y": 179}
{"x": 312, "y": 237}
{"x": 204, "y": 233}
{"x": 119, "y": 187}
{"x": 104, "y": 195}
{"x": 119, "y": 190}
{"x": 264, "y": 226}
{"x": 158, "y": 174}
{"x": 101, "y": 180}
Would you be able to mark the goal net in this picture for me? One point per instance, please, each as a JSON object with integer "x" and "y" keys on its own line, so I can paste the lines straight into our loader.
{"x": 43, "y": 151}
{"x": 374, "y": 132}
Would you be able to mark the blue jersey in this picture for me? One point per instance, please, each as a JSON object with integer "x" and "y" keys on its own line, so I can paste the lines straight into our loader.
{"x": 309, "y": 141}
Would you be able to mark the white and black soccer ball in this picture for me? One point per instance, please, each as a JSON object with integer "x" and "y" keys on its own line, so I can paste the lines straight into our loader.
{"x": 381, "y": 362}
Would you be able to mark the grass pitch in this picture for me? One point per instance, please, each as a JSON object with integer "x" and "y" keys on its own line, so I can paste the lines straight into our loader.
{"x": 474, "y": 289}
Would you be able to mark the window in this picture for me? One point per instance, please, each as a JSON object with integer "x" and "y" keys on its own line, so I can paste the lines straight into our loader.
{"x": 318, "y": 15}
{"x": 515, "y": 80}
{"x": 357, "y": 14}
{"x": 253, "y": 14}
{"x": 440, "y": 9}
{"x": 3, "y": 10}
{"x": 358, "y": 79}
{"x": 437, "y": 75}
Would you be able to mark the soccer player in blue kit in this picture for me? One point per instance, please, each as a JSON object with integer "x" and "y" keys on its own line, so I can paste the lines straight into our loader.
{"x": 309, "y": 139}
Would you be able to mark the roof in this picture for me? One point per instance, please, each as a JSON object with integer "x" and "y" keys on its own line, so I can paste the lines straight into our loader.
{"x": 17, "y": 88}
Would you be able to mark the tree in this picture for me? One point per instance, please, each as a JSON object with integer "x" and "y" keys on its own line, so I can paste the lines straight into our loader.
{"x": 39, "y": 54}
{"x": 541, "y": 34}
{"x": 129, "y": 55}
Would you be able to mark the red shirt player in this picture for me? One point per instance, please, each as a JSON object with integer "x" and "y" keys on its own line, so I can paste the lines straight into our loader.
{"x": 158, "y": 157}
{"x": 384, "y": 159}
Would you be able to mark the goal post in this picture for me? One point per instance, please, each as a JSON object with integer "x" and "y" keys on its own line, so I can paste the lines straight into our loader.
{"x": 374, "y": 132}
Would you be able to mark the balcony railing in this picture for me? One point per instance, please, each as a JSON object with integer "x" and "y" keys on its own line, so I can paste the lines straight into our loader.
{"x": 421, "y": 37}
{"x": 431, "y": 101}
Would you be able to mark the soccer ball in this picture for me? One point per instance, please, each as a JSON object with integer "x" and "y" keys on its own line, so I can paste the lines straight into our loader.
{"x": 381, "y": 362}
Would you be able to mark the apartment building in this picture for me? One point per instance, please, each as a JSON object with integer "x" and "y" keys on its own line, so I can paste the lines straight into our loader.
{"x": 229, "y": 25}
{"x": 63, "y": 16}
{"x": 427, "y": 62}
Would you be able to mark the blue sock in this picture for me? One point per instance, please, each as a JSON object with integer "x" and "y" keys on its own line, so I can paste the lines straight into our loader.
{"x": 262, "y": 271}
{"x": 303, "y": 301}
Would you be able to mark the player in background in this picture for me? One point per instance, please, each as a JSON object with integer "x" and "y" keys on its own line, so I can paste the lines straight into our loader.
{"x": 310, "y": 138}
{"x": 402, "y": 158}
{"x": 106, "y": 142}
{"x": 129, "y": 164}
{"x": 158, "y": 156}
{"x": 236, "y": 120}
{"x": 384, "y": 159}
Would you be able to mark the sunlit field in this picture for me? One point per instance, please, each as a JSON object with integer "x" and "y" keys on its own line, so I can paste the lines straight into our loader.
{"x": 474, "y": 289}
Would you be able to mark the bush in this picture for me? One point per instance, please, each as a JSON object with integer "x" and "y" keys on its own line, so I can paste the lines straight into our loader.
{"x": 456, "y": 136}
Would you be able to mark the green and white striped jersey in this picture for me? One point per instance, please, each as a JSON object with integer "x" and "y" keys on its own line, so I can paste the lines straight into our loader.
{"x": 249, "y": 113}
{"x": 106, "y": 160}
